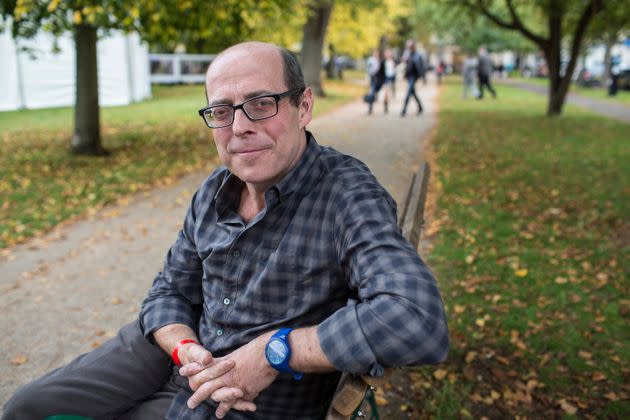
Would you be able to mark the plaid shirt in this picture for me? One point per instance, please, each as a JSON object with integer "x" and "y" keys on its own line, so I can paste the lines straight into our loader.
{"x": 325, "y": 251}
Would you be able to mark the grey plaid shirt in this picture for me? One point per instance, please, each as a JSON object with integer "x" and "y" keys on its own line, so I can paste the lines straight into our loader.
{"x": 326, "y": 251}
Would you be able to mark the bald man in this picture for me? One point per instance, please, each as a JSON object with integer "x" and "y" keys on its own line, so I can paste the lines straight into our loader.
{"x": 288, "y": 270}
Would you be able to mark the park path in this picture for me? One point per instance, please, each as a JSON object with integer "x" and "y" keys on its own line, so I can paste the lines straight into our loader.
{"x": 597, "y": 106}
{"x": 70, "y": 290}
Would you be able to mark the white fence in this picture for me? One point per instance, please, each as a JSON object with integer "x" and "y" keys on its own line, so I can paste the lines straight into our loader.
{"x": 179, "y": 68}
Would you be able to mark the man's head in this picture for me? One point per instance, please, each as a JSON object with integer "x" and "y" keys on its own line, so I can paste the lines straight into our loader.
{"x": 482, "y": 51}
{"x": 411, "y": 45}
{"x": 260, "y": 152}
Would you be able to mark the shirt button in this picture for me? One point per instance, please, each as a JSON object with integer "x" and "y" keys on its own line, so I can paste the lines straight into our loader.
{"x": 226, "y": 301}
{"x": 237, "y": 254}
{"x": 219, "y": 332}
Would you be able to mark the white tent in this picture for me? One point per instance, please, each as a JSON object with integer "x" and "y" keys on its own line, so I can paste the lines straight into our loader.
{"x": 48, "y": 79}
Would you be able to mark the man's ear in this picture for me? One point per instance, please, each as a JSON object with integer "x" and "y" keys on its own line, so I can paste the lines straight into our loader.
{"x": 305, "y": 108}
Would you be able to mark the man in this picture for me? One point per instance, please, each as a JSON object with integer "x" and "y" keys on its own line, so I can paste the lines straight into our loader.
{"x": 289, "y": 268}
{"x": 484, "y": 72}
{"x": 414, "y": 68}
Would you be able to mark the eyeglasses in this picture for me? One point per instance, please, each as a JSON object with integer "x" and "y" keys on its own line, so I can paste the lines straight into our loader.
{"x": 256, "y": 109}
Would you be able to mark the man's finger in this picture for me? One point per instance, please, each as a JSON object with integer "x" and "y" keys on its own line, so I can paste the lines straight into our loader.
{"x": 208, "y": 374}
{"x": 190, "y": 369}
{"x": 222, "y": 410}
{"x": 242, "y": 405}
{"x": 204, "y": 392}
{"x": 227, "y": 394}
{"x": 197, "y": 353}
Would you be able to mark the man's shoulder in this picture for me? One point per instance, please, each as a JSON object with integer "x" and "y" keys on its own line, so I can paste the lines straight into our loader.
{"x": 347, "y": 174}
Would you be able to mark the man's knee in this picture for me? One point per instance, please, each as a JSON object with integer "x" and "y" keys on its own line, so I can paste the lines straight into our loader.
{"x": 25, "y": 404}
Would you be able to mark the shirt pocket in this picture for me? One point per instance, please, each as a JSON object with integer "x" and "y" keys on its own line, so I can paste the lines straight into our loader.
{"x": 278, "y": 291}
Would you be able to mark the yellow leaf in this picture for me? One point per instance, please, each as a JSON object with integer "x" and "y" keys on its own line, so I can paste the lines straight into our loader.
{"x": 521, "y": 273}
{"x": 19, "y": 360}
{"x": 494, "y": 395}
{"x": 561, "y": 280}
{"x": 470, "y": 356}
{"x": 612, "y": 396}
{"x": 585, "y": 355}
{"x": 116, "y": 301}
{"x": 440, "y": 374}
{"x": 77, "y": 18}
{"x": 470, "y": 259}
{"x": 480, "y": 322}
{"x": 459, "y": 309}
{"x": 568, "y": 408}
{"x": 380, "y": 400}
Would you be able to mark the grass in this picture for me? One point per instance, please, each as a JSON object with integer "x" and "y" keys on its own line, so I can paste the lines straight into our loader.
{"x": 600, "y": 93}
{"x": 532, "y": 256}
{"x": 153, "y": 142}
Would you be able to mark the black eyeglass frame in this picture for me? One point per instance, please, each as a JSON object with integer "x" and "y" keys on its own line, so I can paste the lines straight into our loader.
{"x": 276, "y": 96}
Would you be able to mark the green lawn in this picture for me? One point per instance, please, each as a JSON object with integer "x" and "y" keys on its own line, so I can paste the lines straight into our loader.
{"x": 622, "y": 97}
{"x": 42, "y": 184}
{"x": 531, "y": 251}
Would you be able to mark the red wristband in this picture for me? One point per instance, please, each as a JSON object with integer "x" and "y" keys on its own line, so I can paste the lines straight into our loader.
{"x": 175, "y": 354}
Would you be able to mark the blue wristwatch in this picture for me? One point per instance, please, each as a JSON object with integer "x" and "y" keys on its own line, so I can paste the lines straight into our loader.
{"x": 278, "y": 352}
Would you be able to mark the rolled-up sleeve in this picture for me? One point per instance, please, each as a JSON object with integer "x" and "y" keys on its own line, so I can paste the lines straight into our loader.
{"x": 398, "y": 318}
{"x": 177, "y": 289}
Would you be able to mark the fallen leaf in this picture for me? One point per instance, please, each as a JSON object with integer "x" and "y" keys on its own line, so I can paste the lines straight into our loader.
{"x": 585, "y": 355}
{"x": 470, "y": 356}
{"x": 612, "y": 396}
{"x": 598, "y": 376}
{"x": 480, "y": 322}
{"x": 521, "y": 273}
{"x": 470, "y": 259}
{"x": 19, "y": 360}
{"x": 568, "y": 408}
{"x": 459, "y": 309}
{"x": 380, "y": 400}
{"x": 561, "y": 280}
{"x": 440, "y": 374}
{"x": 116, "y": 301}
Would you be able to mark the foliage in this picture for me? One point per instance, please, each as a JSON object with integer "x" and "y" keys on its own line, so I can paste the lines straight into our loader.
{"x": 530, "y": 248}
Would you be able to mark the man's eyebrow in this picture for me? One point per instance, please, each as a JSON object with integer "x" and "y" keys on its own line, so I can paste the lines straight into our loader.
{"x": 224, "y": 101}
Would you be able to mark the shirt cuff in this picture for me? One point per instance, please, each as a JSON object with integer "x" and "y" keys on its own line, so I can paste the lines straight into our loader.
{"x": 342, "y": 340}
{"x": 160, "y": 312}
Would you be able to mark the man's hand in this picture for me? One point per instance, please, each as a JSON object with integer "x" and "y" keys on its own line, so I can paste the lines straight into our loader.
{"x": 239, "y": 385}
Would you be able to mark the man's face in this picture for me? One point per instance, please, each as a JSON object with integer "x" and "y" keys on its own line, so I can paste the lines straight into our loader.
{"x": 261, "y": 152}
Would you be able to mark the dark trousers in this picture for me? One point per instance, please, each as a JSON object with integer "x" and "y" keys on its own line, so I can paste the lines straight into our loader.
{"x": 411, "y": 92}
{"x": 484, "y": 80}
{"x": 127, "y": 378}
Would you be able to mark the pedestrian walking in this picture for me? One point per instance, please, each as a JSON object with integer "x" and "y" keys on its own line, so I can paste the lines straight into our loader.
{"x": 484, "y": 72}
{"x": 469, "y": 71}
{"x": 376, "y": 71}
{"x": 390, "y": 76}
{"x": 414, "y": 67}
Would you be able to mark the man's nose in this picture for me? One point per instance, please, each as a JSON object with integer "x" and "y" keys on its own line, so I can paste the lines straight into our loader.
{"x": 242, "y": 124}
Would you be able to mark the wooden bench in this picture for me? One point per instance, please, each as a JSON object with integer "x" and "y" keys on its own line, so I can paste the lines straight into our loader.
{"x": 353, "y": 390}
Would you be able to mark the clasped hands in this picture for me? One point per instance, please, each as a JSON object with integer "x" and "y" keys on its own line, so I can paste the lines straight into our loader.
{"x": 233, "y": 380}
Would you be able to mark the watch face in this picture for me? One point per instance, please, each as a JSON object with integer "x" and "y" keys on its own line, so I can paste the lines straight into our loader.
{"x": 276, "y": 351}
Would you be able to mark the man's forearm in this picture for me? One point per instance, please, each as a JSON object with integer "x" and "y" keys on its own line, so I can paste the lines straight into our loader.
{"x": 306, "y": 352}
{"x": 170, "y": 335}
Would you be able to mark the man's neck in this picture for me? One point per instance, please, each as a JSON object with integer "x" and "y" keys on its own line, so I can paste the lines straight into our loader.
{"x": 252, "y": 201}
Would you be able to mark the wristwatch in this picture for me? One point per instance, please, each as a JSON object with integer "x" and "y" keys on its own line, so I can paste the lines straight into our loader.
{"x": 278, "y": 352}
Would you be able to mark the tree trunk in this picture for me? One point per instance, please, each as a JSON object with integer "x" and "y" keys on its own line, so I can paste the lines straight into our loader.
{"x": 554, "y": 64}
{"x": 86, "y": 139}
{"x": 313, "y": 42}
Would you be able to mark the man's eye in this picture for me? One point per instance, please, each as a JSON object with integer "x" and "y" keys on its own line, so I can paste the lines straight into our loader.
{"x": 263, "y": 103}
{"x": 220, "y": 113}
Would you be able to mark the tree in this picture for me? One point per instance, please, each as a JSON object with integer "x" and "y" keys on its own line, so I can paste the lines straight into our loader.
{"x": 314, "y": 33}
{"x": 165, "y": 22}
{"x": 560, "y": 16}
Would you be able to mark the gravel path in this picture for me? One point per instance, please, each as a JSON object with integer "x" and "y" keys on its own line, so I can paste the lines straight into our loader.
{"x": 605, "y": 108}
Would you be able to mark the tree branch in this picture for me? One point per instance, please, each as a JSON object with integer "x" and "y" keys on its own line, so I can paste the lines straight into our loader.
{"x": 521, "y": 27}
{"x": 591, "y": 9}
